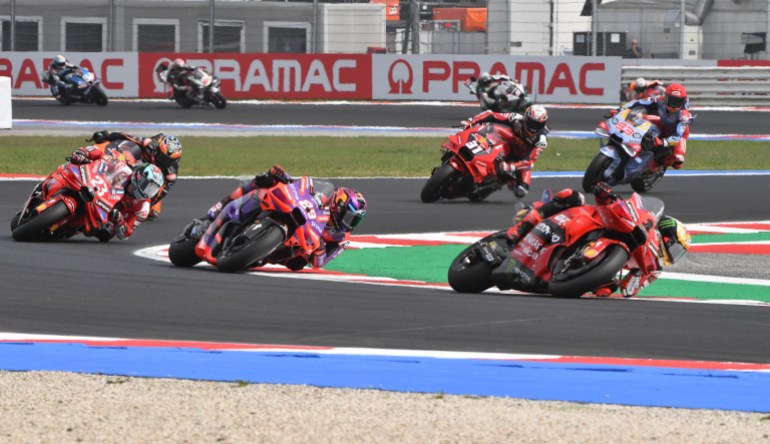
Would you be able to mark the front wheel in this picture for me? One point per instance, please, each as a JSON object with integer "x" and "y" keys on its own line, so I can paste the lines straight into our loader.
{"x": 438, "y": 182}
{"x": 595, "y": 172}
{"x": 218, "y": 100}
{"x": 256, "y": 242}
{"x": 38, "y": 227}
{"x": 98, "y": 96}
{"x": 645, "y": 182}
{"x": 573, "y": 277}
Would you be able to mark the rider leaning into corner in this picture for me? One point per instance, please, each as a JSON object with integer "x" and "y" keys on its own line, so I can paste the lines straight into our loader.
{"x": 674, "y": 238}
{"x": 346, "y": 209}
{"x": 525, "y": 142}
{"x": 502, "y": 93}
{"x": 144, "y": 184}
{"x": 180, "y": 72}
{"x": 674, "y": 124}
{"x": 59, "y": 71}
{"x": 162, "y": 150}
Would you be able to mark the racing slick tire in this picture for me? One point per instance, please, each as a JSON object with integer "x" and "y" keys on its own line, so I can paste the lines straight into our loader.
{"x": 181, "y": 252}
{"x": 218, "y": 100}
{"x": 437, "y": 182}
{"x": 468, "y": 272}
{"x": 595, "y": 171}
{"x": 32, "y": 230}
{"x": 251, "y": 245}
{"x": 98, "y": 96}
{"x": 573, "y": 278}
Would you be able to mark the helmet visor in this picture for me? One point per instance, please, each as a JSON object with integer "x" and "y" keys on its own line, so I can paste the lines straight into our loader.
{"x": 534, "y": 125}
{"x": 352, "y": 217}
{"x": 675, "y": 250}
{"x": 675, "y": 102}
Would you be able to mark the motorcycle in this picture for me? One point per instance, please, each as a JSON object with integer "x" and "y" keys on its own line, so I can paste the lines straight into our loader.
{"x": 468, "y": 164}
{"x": 626, "y": 153}
{"x": 505, "y": 88}
{"x": 85, "y": 88}
{"x": 74, "y": 199}
{"x": 286, "y": 231}
{"x": 566, "y": 255}
{"x": 212, "y": 94}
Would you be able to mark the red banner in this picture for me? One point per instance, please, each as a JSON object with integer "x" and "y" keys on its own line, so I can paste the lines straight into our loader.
{"x": 271, "y": 76}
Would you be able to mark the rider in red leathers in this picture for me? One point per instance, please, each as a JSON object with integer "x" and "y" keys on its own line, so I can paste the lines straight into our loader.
{"x": 525, "y": 142}
{"x": 162, "y": 150}
{"x": 674, "y": 239}
{"x": 346, "y": 207}
{"x": 674, "y": 124}
{"x": 145, "y": 183}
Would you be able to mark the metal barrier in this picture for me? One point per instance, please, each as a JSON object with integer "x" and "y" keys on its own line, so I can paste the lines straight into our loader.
{"x": 711, "y": 86}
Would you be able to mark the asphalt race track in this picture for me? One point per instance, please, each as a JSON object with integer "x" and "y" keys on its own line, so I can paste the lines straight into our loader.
{"x": 85, "y": 288}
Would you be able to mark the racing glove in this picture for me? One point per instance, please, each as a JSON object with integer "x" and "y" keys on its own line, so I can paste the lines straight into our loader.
{"x": 505, "y": 171}
{"x": 465, "y": 124}
{"x": 604, "y": 194}
{"x": 214, "y": 210}
{"x": 80, "y": 157}
{"x": 272, "y": 176}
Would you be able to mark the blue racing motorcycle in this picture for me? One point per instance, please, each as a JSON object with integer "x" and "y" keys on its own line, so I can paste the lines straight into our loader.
{"x": 82, "y": 87}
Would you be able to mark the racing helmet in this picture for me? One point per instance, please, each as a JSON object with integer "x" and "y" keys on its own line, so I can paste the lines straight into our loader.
{"x": 59, "y": 61}
{"x": 640, "y": 84}
{"x": 165, "y": 150}
{"x": 674, "y": 240}
{"x": 178, "y": 62}
{"x": 146, "y": 181}
{"x": 535, "y": 119}
{"x": 347, "y": 208}
{"x": 676, "y": 97}
{"x": 484, "y": 77}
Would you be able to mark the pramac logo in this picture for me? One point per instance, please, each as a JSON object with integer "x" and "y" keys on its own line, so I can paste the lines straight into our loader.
{"x": 400, "y": 77}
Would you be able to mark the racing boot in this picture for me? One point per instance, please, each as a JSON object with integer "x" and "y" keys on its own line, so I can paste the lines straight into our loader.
{"x": 154, "y": 211}
{"x": 606, "y": 290}
{"x": 518, "y": 231}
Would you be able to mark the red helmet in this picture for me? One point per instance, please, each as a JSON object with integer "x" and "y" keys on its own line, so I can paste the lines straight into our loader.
{"x": 676, "y": 97}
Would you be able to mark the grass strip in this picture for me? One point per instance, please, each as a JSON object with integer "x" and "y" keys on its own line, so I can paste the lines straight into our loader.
{"x": 353, "y": 156}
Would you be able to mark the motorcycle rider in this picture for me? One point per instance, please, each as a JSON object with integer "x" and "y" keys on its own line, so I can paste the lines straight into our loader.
{"x": 674, "y": 238}
{"x": 144, "y": 182}
{"x": 673, "y": 110}
{"x": 525, "y": 142}
{"x": 641, "y": 87}
{"x": 162, "y": 150}
{"x": 60, "y": 70}
{"x": 180, "y": 75}
{"x": 502, "y": 93}
{"x": 346, "y": 207}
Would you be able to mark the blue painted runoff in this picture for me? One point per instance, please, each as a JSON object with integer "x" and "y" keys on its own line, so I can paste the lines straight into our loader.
{"x": 590, "y": 383}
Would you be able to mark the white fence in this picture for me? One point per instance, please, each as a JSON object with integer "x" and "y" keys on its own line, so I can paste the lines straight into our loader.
{"x": 711, "y": 86}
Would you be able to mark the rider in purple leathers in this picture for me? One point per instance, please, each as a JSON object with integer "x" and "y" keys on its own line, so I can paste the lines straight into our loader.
{"x": 346, "y": 209}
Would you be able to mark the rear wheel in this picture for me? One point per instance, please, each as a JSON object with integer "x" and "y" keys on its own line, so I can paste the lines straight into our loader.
{"x": 37, "y": 228}
{"x": 256, "y": 242}
{"x": 468, "y": 272}
{"x": 595, "y": 171}
{"x": 573, "y": 277}
{"x": 438, "y": 182}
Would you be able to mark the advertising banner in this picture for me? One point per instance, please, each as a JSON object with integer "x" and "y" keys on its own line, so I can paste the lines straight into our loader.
{"x": 116, "y": 70}
{"x": 548, "y": 79}
{"x": 271, "y": 76}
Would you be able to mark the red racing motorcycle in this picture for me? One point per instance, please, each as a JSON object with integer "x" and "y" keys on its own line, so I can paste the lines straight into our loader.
{"x": 286, "y": 231}
{"x": 468, "y": 165}
{"x": 74, "y": 199}
{"x": 566, "y": 255}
